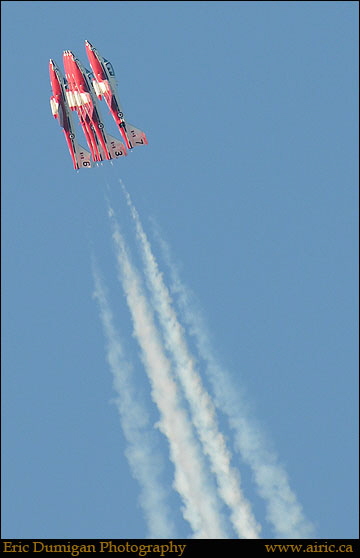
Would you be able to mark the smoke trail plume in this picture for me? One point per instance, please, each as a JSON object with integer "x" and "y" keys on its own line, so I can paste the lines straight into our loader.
{"x": 201, "y": 406}
{"x": 200, "y": 506}
{"x": 141, "y": 451}
{"x": 284, "y": 512}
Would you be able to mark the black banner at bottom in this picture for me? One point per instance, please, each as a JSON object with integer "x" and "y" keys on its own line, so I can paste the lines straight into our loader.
{"x": 178, "y": 548}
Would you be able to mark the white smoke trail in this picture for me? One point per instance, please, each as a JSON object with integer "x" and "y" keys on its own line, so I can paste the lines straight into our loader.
{"x": 200, "y": 506}
{"x": 141, "y": 451}
{"x": 284, "y": 512}
{"x": 201, "y": 406}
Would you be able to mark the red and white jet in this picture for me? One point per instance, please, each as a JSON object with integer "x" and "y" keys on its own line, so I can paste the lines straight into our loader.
{"x": 105, "y": 85}
{"x": 60, "y": 110}
{"x": 80, "y": 97}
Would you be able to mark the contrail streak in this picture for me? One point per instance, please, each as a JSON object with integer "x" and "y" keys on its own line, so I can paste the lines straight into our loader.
{"x": 284, "y": 512}
{"x": 200, "y": 506}
{"x": 141, "y": 451}
{"x": 202, "y": 408}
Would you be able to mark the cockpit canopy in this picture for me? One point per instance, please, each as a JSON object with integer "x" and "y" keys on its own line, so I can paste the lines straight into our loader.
{"x": 109, "y": 67}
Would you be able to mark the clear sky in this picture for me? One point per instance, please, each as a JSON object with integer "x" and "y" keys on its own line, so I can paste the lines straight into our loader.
{"x": 250, "y": 177}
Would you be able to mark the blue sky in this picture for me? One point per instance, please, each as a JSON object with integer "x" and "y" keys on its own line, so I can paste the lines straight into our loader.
{"x": 250, "y": 175}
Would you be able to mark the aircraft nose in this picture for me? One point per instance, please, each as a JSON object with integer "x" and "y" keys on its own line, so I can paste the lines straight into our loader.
{"x": 52, "y": 65}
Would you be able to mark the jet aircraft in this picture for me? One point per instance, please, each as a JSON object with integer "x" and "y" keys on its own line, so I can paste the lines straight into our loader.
{"x": 105, "y": 85}
{"x": 79, "y": 92}
{"x": 81, "y": 97}
{"x": 61, "y": 111}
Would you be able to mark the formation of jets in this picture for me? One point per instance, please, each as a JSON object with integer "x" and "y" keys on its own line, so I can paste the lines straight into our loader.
{"x": 79, "y": 91}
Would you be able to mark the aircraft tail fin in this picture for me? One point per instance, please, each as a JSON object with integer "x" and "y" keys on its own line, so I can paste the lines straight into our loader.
{"x": 115, "y": 146}
{"x": 135, "y": 136}
{"x": 82, "y": 157}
